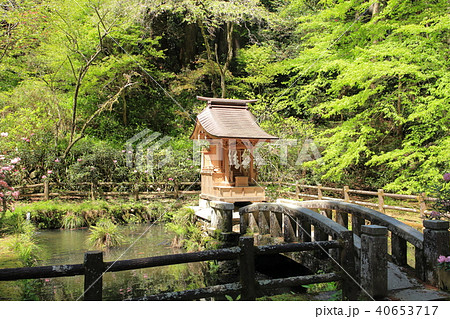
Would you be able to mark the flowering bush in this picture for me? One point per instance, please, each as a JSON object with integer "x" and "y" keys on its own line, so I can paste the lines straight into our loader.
{"x": 7, "y": 193}
{"x": 444, "y": 263}
{"x": 442, "y": 205}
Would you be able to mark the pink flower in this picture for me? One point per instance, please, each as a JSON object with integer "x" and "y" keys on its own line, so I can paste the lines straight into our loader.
{"x": 130, "y": 152}
{"x": 49, "y": 172}
{"x": 170, "y": 179}
{"x": 114, "y": 161}
{"x": 446, "y": 177}
{"x": 3, "y": 134}
{"x": 442, "y": 259}
{"x": 158, "y": 189}
{"x": 15, "y": 160}
{"x": 435, "y": 214}
{"x": 79, "y": 160}
{"x": 57, "y": 160}
{"x": 43, "y": 177}
{"x": 123, "y": 151}
{"x": 447, "y": 260}
{"x": 15, "y": 194}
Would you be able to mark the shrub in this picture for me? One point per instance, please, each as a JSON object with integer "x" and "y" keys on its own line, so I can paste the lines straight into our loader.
{"x": 105, "y": 234}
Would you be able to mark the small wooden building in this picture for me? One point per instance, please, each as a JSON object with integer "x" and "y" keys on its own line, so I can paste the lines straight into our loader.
{"x": 230, "y": 131}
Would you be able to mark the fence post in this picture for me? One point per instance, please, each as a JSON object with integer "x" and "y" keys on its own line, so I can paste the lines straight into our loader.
{"x": 247, "y": 268}
{"x": 381, "y": 200}
{"x": 92, "y": 191}
{"x": 46, "y": 190}
{"x": 93, "y": 279}
{"x": 346, "y": 195}
{"x": 297, "y": 191}
{"x": 422, "y": 204}
{"x": 136, "y": 192}
{"x": 374, "y": 260}
{"x": 319, "y": 192}
{"x": 435, "y": 243}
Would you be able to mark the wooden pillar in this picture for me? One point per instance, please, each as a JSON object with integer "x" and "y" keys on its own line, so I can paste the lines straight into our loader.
{"x": 346, "y": 195}
{"x": 93, "y": 272}
{"x": 422, "y": 204}
{"x": 46, "y": 190}
{"x": 247, "y": 268}
{"x": 319, "y": 192}
{"x": 381, "y": 200}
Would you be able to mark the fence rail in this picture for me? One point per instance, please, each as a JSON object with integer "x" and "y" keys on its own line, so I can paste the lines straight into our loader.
{"x": 96, "y": 190}
{"x": 94, "y": 267}
{"x": 420, "y": 199}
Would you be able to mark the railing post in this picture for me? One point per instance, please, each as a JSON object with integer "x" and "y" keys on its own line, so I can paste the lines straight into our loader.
{"x": 46, "y": 190}
{"x": 289, "y": 228}
{"x": 275, "y": 224}
{"x": 381, "y": 200}
{"x": 247, "y": 268}
{"x": 297, "y": 191}
{"x": 319, "y": 192}
{"x": 399, "y": 249}
{"x": 374, "y": 260}
{"x": 435, "y": 243}
{"x": 93, "y": 275}
{"x": 357, "y": 223}
{"x": 264, "y": 221}
{"x": 222, "y": 216}
{"x": 350, "y": 290}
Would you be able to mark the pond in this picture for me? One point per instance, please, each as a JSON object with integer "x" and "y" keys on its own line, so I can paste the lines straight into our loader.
{"x": 61, "y": 247}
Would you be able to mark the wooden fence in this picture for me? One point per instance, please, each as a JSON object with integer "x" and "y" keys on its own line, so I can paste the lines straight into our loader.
{"x": 248, "y": 287}
{"x": 152, "y": 190}
{"x": 421, "y": 201}
{"x": 48, "y": 190}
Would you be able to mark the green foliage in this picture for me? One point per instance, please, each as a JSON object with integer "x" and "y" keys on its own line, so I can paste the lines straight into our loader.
{"x": 72, "y": 221}
{"x": 105, "y": 234}
{"x": 188, "y": 232}
{"x": 23, "y": 242}
{"x": 370, "y": 88}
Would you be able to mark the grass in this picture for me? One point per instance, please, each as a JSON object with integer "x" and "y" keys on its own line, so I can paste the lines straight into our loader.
{"x": 105, "y": 234}
{"x": 54, "y": 214}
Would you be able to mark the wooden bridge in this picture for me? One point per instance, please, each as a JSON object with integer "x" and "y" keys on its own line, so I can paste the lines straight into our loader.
{"x": 388, "y": 259}
{"x": 347, "y": 242}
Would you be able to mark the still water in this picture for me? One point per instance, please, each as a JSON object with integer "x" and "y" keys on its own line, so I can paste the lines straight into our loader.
{"x": 61, "y": 247}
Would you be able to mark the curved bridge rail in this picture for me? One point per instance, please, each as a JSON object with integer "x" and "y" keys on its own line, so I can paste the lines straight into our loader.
{"x": 427, "y": 246}
{"x": 287, "y": 221}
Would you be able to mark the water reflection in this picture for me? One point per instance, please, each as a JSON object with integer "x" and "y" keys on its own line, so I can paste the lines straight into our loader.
{"x": 68, "y": 247}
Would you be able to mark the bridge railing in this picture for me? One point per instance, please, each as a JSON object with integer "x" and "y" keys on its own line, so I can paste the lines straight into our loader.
{"x": 294, "y": 223}
{"x": 248, "y": 287}
{"x": 428, "y": 246}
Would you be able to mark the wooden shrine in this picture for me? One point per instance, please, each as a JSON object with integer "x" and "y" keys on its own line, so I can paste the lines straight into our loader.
{"x": 230, "y": 133}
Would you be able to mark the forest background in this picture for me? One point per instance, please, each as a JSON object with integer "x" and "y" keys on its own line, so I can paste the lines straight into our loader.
{"x": 367, "y": 81}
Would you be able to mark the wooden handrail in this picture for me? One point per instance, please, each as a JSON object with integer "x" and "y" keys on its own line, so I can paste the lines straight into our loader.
{"x": 238, "y": 252}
